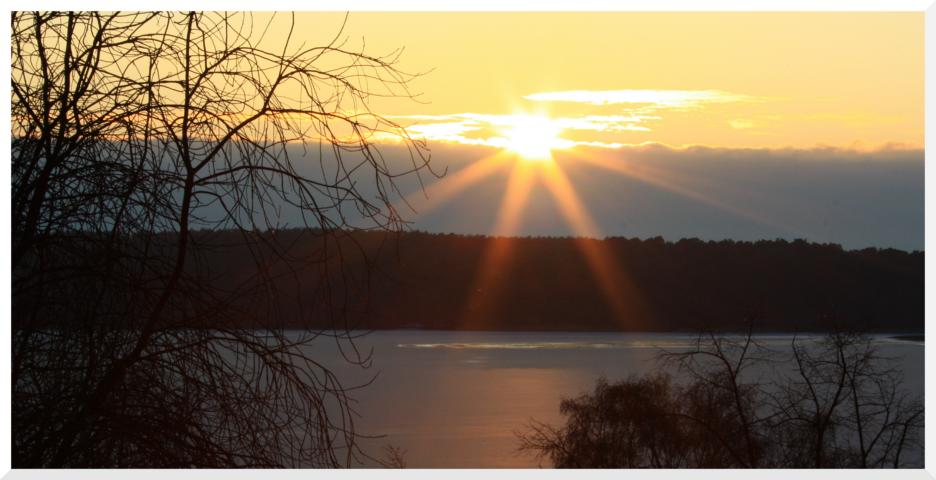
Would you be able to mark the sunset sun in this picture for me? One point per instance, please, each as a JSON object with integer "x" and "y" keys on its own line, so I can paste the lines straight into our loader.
{"x": 533, "y": 137}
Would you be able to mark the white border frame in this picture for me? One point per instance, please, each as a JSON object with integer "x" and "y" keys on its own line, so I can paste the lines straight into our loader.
{"x": 926, "y": 6}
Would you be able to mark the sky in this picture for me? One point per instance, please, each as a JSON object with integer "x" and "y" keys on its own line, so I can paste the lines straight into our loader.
{"x": 715, "y": 79}
{"x": 709, "y": 125}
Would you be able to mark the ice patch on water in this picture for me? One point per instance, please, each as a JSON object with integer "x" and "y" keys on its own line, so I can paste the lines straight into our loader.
{"x": 541, "y": 345}
{"x": 660, "y": 343}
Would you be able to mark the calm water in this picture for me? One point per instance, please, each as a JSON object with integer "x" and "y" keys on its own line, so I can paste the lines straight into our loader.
{"x": 456, "y": 399}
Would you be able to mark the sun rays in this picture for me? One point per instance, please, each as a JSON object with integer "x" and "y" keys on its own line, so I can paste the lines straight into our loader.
{"x": 486, "y": 286}
{"x": 455, "y": 183}
{"x": 618, "y": 289}
{"x": 666, "y": 180}
{"x": 535, "y": 156}
{"x": 532, "y": 166}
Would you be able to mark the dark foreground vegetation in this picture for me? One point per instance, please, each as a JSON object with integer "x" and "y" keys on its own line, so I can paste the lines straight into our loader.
{"x": 832, "y": 404}
{"x": 129, "y": 125}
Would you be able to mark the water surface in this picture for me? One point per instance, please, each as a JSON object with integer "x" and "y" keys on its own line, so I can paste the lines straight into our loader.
{"x": 457, "y": 399}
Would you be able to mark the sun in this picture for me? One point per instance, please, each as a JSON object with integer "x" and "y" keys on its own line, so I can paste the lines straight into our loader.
{"x": 533, "y": 137}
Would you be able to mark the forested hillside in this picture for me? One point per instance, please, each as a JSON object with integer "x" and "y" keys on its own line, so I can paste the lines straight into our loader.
{"x": 442, "y": 281}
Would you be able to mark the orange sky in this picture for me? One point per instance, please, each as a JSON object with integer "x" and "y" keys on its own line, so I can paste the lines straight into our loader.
{"x": 852, "y": 80}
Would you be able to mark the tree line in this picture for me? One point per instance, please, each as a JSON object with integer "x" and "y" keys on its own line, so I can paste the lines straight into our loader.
{"x": 431, "y": 281}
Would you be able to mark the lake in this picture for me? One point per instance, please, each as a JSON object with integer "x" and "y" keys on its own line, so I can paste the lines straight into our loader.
{"x": 456, "y": 399}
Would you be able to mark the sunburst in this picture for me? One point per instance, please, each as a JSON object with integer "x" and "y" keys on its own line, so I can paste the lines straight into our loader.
{"x": 533, "y": 137}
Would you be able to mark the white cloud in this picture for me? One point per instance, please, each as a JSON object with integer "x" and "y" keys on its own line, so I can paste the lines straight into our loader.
{"x": 488, "y": 129}
{"x": 741, "y": 124}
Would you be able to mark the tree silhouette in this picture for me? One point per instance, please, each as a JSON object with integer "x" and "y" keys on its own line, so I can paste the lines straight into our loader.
{"x": 621, "y": 425}
{"x": 843, "y": 405}
{"x": 837, "y": 403}
{"x": 136, "y": 137}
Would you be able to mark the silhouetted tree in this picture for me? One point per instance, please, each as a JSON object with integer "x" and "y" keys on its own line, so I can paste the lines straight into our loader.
{"x": 622, "y": 425}
{"x": 841, "y": 405}
{"x": 720, "y": 401}
{"x": 136, "y": 137}
{"x": 394, "y": 457}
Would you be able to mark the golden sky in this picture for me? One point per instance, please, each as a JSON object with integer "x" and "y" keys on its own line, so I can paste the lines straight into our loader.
{"x": 852, "y": 80}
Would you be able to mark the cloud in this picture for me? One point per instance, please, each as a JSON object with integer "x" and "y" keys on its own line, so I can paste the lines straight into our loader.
{"x": 640, "y": 111}
{"x": 452, "y": 131}
{"x": 492, "y": 129}
{"x": 855, "y": 198}
{"x": 741, "y": 124}
{"x": 606, "y": 123}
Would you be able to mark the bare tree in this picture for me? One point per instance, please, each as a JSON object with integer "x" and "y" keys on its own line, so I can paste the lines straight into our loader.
{"x": 720, "y": 402}
{"x": 141, "y": 141}
{"x": 843, "y": 405}
{"x": 394, "y": 457}
{"x": 832, "y": 403}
